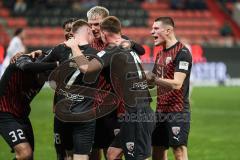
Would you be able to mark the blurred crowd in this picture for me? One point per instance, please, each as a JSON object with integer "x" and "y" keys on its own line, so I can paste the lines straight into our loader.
{"x": 19, "y": 7}
{"x": 188, "y": 4}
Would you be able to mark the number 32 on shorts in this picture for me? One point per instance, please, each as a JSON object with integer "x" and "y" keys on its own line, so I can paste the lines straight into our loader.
{"x": 17, "y": 135}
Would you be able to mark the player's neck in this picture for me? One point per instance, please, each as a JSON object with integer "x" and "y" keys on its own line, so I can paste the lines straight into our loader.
{"x": 83, "y": 42}
{"x": 115, "y": 39}
{"x": 171, "y": 41}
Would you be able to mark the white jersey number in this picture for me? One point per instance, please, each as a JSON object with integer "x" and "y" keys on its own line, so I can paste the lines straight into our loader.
{"x": 137, "y": 61}
{"x": 16, "y": 135}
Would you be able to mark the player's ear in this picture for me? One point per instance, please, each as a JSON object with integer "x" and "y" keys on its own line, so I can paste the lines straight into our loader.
{"x": 89, "y": 31}
{"x": 168, "y": 30}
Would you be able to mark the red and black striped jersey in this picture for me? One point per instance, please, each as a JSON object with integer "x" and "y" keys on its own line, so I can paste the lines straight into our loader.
{"x": 168, "y": 61}
{"x": 19, "y": 85}
{"x": 98, "y": 44}
{"x": 104, "y": 77}
{"x": 127, "y": 77}
{"x": 104, "y": 82}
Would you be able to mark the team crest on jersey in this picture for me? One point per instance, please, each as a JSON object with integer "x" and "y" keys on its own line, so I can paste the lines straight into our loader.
{"x": 176, "y": 130}
{"x": 130, "y": 146}
{"x": 168, "y": 60}
{"x": 116, "y": 131}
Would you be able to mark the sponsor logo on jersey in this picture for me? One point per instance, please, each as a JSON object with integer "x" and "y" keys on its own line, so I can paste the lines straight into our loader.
{"x": 71, "y": 96}
{"x": 140, "y": 85}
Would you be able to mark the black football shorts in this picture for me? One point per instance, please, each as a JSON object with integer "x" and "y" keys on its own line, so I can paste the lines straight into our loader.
{"x": 107, "y": 128}
{"x": 172, "y": 129}
{"x": 75, "y": 136}
{"x": 16, "y": 130}
{"x": 135, "y": 134}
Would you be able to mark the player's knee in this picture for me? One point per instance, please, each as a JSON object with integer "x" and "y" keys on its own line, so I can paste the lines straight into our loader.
{"x": 111, "y": 154}
{"x": 24, "y": 152}
{"x": 69, "y": 155}
{"x": 80, "y": 157}
{"x": 179, "y": 152}
{"x": 68, "y": 158}
{"x": 63, "y": 157}
{"x": 25, "y": 155}
{"x": 95, "y": 155}
{"x": 159, "y": 153}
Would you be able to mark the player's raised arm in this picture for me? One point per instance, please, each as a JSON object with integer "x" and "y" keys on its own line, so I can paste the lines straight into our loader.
{"x": 84, "y": 65}
{"x": 54, "y": 54}
{"x": 83, "y": 36}
{"x": 26, "y": 63}
{"x": 135, "y": 46}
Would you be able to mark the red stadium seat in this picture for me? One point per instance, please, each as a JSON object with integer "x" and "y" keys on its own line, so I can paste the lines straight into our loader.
{"x": 16, "y": 22}
{"x": 155, "y": 6}
{"x": 147, "y": 56}
{"x": 1, "y": 53}
{"x": 4, "y": 12}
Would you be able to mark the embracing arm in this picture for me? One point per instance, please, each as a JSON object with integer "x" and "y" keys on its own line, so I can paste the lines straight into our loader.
{"x": 26, "y": 64}
{"x": 138, "y": 48}
{"x": 51, "y": 56}
{"x": 85, "y": 65}
{"x": 135, "y": 46}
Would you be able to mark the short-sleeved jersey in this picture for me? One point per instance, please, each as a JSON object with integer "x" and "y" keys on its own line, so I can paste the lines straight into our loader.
{"x": 104, "y": 82}
{"x": 71, "y": 78}
{"x": 19, "y": 85}
{"x": 126, "y": 75}
{"x": 168, "y": 61}
{"x": 104, "y": 79}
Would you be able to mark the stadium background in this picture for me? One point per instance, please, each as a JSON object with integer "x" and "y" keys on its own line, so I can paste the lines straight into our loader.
{"x": 210, "y": 28}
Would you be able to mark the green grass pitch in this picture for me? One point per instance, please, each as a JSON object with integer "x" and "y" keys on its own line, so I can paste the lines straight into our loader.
{"x": 214, "y": 135}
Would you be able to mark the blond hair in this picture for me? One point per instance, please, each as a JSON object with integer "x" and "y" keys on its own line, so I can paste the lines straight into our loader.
{"x": 97, "y": 11}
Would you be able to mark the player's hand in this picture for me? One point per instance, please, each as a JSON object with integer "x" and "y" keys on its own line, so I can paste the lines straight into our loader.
{"x": 150, "y": 78}
{"x": 126, "y": 44}
{"x": 36, "y": 53}
{"x": 14, "y": 58}
{"x": 71, "y": 43}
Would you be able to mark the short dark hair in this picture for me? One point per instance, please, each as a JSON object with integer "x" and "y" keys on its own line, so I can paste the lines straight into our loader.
{"x": 70, "y": 20}
{"x": 18, "y": 31}
{"x": 79, "y": 23}
{"x": 111, "y": 24}
{"x": 166, "y": 20}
